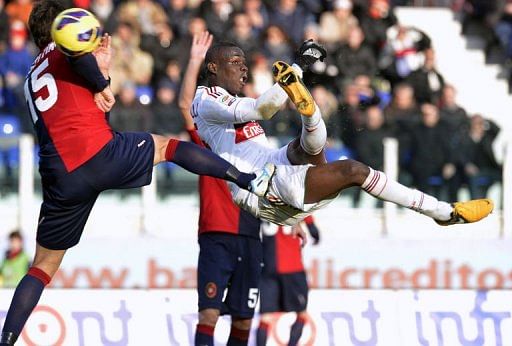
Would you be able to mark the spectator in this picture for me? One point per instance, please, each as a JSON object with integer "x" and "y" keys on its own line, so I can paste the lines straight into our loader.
{"x": 402, "y": 115}
{"x": 292, "y": 18}
{"x": 403, "y": 52}
{"x": 129, "y": 114}
{"x": 242, "y": 34}
{"x": 354, "y": 58}
{"x": 129, "y": 62}
{"x": 325, "y": 100}
{"x": 430, "y": 152}
{"x": 261, "y": 76}
{"x": 456, "y": 121}
{"x": 19, "y": 10}
{"x": 104, "y": 11}
{"x": 503, "y": 28}
{"x": 335, "y": 26}
{"x": 173, "y": 72}
{"x": 179, "y": 15}
{"x": 369, "y": 144}
{"x": 166, "y": 114}
{"x": 276, "y": 45}
{"x": 480, "y": 166}
{"x": 349, "y": 119}
{"x": 365, "y": 90}
{"x": 163, "y": 48}
{"x": 453, "y": 115}
{"x": 14, "y": 65}
{"x": 16, "y": 261}
{"x": 4, "y": 27}
{"x": 196, "y": 25}
{"x": 217, "y": 17}
{"x": 258, "y": 15}
{"x": 375, "y": 22}
{"x": 143, "y": 15}
{"x": 427, "y": 82}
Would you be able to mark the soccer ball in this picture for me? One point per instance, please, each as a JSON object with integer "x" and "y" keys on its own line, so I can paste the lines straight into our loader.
{"x": 76, "y": 31}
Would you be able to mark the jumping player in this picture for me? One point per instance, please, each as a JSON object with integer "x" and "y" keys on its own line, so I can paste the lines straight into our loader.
{"x": 230, "y": 254}
{"x": 283, "y": 285}
{"x": 302, "y": 182}
{"x": 80, "y": 155}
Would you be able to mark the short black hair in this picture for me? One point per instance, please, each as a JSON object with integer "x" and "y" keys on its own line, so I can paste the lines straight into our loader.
{"x": 41, "y": 19}
{"x": 213, "y": 53}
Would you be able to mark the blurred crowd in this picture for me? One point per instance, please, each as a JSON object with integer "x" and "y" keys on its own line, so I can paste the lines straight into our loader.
{"x": 492, "y": 20}
{"x": 379, "y": 78}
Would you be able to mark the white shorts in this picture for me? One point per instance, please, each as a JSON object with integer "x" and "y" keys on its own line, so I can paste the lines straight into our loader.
{"x": 284, "y": 204}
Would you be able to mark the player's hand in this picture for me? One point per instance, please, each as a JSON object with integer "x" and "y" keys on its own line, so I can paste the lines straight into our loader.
{"x": 105, "y": 100}
{"x": 297, "y": 231}
{"x": 200, "y": 45}
{"x": 103, "y": 54}
{"x": 309, "y": 53}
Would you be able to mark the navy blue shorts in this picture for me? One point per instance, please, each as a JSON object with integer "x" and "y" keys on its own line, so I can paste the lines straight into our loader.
{"x": 68, "y": 197}
{"x": 283, "y": 292}
{"x": 228, "y": 273}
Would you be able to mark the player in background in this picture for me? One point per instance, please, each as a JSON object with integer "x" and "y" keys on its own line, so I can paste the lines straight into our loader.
{"x": 80, "y": 155}
{"x": 303, "y": 182}
{"x": 230, "y": 253}
{"x": 283, "y": 284}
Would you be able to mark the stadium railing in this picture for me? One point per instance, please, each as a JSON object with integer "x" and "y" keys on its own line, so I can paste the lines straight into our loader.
{"x": 149, "y": 198}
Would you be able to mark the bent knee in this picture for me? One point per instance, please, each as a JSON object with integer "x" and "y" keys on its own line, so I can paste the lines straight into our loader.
{"x": 244, "y": 324}
{"x": 354, "y": 170}
{"x": 209, "y": 317}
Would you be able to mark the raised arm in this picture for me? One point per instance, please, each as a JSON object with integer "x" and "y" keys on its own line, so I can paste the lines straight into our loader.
{"x": 200, "y": 44}
{"x": 94, "y": 69}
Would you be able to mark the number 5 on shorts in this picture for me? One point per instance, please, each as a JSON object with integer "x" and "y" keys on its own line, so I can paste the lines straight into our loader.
{"x": 253, "y": 298}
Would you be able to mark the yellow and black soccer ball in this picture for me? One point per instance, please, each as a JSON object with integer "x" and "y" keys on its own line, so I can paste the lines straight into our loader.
{"x": 76, "y": 31}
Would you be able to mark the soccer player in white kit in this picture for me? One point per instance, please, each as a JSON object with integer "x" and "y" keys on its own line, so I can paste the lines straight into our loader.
{"x": 302, "y": 182}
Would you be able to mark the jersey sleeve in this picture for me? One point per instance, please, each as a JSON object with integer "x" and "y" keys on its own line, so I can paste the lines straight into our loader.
{"x": 221, "y": 107}
{"x": 228, "y": 109}
{"x": 87, "y": 67}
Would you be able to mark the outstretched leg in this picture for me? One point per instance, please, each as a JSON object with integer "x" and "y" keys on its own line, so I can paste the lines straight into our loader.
{"x": 325, "y": 181}
{"x": 204, "y": 162}
{"x": 28, "y": 292}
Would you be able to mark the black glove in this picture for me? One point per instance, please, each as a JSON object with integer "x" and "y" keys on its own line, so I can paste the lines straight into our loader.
{"x": 309, "y": 53}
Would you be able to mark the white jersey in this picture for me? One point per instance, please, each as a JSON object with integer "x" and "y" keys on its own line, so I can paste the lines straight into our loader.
{"x": 228, "y": 125}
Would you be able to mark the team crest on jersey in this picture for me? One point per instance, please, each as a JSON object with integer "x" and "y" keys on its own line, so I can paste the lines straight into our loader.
{"x": 247, "y": 131}
{"x": 210, "y": 290}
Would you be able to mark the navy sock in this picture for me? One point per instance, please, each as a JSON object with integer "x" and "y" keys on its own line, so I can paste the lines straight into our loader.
{"x": 25, "y": 299}
{"x": 296, "y": 331}
{"x": 261, "y": 335}
{"x": 238, "y": 337}
{"x": 203, "y": 162}
{"x": 204, "y": 335}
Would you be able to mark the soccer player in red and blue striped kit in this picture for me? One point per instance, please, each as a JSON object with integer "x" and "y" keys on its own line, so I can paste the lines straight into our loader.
{"x": 81, "y": 156}
{"x": 230, "y": 252}
{"x": 283, "y": 284}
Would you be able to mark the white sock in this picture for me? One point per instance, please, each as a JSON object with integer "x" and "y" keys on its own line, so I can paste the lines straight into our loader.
{"x": 378, "y": 185}
{"x": 314, "y": 133}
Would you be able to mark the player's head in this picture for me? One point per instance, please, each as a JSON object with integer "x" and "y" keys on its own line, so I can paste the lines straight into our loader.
{"x": 41, "y": 19}
{"x": 226, "y": 67}
{"x": 15, "y": 241}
